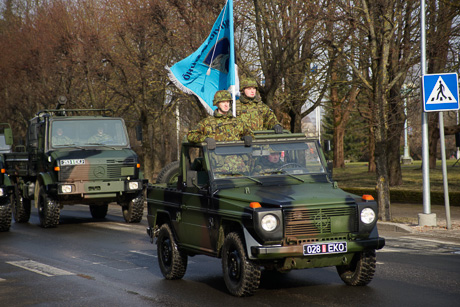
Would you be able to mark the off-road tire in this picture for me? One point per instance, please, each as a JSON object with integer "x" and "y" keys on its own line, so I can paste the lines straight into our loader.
{"x": 48, "y": 210}
{"x": 169, "y": 173}
{"x": 21, "y": 207}
{"x": 361, "y": 269}
{"x": 242, "y": 276}
{"x": 172, "y": 261}
{"x": 133, "y": 211}
{"x": 98, "y": 211}
{"x": 5, "y": 215}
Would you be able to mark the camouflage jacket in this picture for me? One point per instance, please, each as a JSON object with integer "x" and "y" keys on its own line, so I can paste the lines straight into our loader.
{"x": 219, "y": 127}
{"x": 262, "y": 166}
{"x": 254, "y": 112}
{"x": 100, "y": 138}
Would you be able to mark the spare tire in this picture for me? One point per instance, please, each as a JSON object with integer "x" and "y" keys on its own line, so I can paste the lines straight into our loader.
{"x": 169, "y": 173}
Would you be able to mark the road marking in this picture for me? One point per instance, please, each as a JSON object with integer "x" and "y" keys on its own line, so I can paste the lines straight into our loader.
{"x": 39, "y": 268}
{"x": 431, "y": 240}
{"x": 119, "y": 227}
{"x": 1, "y": 279}
{"x": 143, "y": 253}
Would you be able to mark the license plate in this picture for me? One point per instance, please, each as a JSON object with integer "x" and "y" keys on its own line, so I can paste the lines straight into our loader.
{"x": 325, "y": 248}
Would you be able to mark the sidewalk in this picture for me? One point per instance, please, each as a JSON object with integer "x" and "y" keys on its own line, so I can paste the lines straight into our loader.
{"x": 404, "y": 219}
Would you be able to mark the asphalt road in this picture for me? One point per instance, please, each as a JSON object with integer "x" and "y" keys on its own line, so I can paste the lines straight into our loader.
{"x": 85, "y": 262}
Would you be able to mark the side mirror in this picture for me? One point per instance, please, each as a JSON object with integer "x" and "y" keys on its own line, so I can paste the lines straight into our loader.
{"x": 139, "y": 132}
{"x": 8, "y": 136}
{"x": 327, "y": 145}
{"x": 192, "y": 178}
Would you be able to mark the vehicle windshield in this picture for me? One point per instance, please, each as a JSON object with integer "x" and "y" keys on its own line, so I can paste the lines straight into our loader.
{"x": 88, "y": 132}
{"x": 292, "y": 159}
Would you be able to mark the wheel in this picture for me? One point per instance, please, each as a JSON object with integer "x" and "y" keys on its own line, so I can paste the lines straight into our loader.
{"x": 98, "y": 211}
{"x": 241, "y": 275}
{"x": 169, "y": 173}
{"x": 21, "y": 207}
{"x": 361, "y": 269}
{"x": 133, "y": 211}
{"x": 172, "y": 261}
{"x": 5, "y": 215}
{"x": 48, "y": 210}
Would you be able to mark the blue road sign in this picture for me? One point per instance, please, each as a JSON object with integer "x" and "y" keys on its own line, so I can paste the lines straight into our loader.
{"x": 440, "y": 92}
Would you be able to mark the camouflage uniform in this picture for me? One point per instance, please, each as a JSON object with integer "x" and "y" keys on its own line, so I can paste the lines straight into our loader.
{"x": 264, "y": 166}
{"x": 100, "y": 138}
{"x": 253, "y": 110}
{"x": 221, "y": 127}
{"x": 61, "y": 140}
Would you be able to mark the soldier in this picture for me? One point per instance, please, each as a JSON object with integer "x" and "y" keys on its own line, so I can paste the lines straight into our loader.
{"x": 100, "y": 137}
{"x": 252, "y": 110}
{"x": 222, "y": 126}
{"x": 60, "y": 138}
{"x": 270, "y": 163}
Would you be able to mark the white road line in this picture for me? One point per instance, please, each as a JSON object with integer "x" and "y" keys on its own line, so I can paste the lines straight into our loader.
{"x": 119, "y": 227}
{"x": 1, "y": 279}
{"x": 143, "y": 253}
{"x": 40, "y": 268}
{"x": 431, "y": 240}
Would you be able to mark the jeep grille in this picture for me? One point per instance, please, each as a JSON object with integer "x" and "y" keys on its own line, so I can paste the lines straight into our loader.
{"x": 305, "y": 222}
{"x": 94, "y": 172}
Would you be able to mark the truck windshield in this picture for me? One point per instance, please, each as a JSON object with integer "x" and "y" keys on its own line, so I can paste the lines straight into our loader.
{"x": 3, "y": 146}
{"x": 88, "y": 132}
{"x": 290, "y": 159}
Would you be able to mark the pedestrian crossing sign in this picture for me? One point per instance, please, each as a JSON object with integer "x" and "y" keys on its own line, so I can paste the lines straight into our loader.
{"x": 440, "y": 92}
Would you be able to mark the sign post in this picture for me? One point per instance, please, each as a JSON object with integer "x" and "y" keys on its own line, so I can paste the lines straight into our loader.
{"x": 440, "y": 93}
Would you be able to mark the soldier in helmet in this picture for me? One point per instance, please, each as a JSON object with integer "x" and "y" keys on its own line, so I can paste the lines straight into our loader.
{"x": 222, "y": 126}
{"x": 270, "y": 163}
{"x": 252, "y": 110}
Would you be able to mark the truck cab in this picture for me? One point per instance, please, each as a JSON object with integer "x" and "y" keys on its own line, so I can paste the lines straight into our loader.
{"x": 76, "y": 157}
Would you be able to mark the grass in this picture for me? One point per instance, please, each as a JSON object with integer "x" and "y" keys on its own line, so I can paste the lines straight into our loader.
{"x": 356, "y": 179}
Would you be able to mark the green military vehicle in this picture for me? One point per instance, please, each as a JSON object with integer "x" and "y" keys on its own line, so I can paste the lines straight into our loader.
{"x": 6, "y": 187}
{"x": 228, "y": 201}
{"x": 75, "y": 157}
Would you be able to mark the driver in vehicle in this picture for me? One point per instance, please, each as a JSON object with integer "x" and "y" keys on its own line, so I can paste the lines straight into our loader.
{"x": 270, "y": 163}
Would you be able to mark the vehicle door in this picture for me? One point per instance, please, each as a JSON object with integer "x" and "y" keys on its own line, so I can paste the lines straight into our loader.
{"x": 193, "y": 223}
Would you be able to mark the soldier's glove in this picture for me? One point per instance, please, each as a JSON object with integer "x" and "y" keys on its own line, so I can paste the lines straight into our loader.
{"x": 278, "y": 129}
{"x": 247, "y": 140}
{"x": 211, "y": 143}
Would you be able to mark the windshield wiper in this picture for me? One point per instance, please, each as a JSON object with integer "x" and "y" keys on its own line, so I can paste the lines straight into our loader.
{"x": 237, "y": 173}
{"x": 68, "y": 145}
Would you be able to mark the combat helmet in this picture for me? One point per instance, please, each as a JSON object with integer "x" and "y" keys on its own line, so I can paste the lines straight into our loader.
{"x": 222, "y": 95}
{"x": 247, "y": 82}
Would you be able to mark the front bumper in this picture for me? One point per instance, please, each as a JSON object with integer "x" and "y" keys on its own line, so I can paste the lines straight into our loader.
{"x": 98, "y": 189}
{"x": 278, "y": 252}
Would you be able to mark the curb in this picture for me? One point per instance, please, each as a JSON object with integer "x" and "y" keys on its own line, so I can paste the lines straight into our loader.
{"x": 389, "y": 226}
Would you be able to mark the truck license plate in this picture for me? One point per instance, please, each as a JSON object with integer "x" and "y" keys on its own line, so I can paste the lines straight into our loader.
{"x": 325, "y": 248}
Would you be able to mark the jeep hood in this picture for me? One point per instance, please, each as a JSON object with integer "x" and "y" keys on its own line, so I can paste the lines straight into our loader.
{"x": 288, "y": 195}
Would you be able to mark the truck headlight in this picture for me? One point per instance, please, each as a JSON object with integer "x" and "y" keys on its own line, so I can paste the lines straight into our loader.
{"x": 1, "y": 192}
{"x": 269, "y": 222}
{"x": 133, "y": 185}
{"x": 66, "y": 188}
{"x": 367, "y": 216}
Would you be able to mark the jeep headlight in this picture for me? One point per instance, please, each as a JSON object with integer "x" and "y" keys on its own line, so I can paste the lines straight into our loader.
{"x": 269, "y": 222}
{"x": 1, "y": 192}
{"x": 133, "y": 185}
{"x": 367, "y": 216}
{"x": 66, "y": 188}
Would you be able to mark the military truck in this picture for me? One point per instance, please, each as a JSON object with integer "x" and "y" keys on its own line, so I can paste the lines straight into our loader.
{"x": 227, "y": 202}
{"x": 75, "y": 156}
{"x": 6, "y": 187}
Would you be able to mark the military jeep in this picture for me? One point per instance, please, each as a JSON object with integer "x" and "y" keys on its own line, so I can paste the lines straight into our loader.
{"x": 228, "y": 202}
